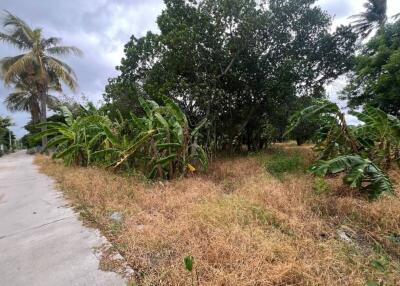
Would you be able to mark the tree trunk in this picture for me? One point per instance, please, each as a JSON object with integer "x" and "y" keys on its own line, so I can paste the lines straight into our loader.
{"x": 43, "y": 117}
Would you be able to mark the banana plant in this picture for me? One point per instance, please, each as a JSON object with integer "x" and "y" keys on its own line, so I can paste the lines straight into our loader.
{"x": 75, "y": 139}
{"x": 360, "y": 173}
{"x": 359, "y": 151}
{"x": 380, "y": 135}
{"x": 160, "y": 143}
{"x": 173, "y": 150}
{"x": 334, "y": 137}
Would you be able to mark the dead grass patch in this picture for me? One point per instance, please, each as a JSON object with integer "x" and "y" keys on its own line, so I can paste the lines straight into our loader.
{"x": 241, "y": 225}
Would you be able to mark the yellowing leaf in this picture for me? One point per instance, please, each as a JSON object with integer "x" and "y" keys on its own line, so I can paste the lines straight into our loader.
{"x": 191, "y": 168}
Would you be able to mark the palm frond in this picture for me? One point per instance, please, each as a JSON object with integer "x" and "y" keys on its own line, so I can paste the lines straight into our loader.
{"x": 17, "y": 65}
{"x": 6, "y": 62}
{"x": 18, "y": 29}
{"x": 373, "y": 17}
{"x": 25, "y": 101}
{"x": 18, "y": 101}
{"x": 63, "y": 65}
{"x": 63, "y": 72}
{"x": 50, "y": 42}
{"x": 64, "y": 50}
{"x": 14, "y": 41}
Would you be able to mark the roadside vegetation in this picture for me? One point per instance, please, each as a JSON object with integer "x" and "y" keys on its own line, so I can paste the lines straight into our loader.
{"x": 188, "y": 167}
{"x": 7, "y": 137}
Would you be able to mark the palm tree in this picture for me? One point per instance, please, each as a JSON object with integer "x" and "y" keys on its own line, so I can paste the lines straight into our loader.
{"x": 38, "y": 60}
{"x": 26, "y": 98}
{"x": 374, "y": 17}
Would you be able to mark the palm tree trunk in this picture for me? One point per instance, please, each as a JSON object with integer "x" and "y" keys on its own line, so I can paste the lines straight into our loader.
{"x": 43, "y": 116}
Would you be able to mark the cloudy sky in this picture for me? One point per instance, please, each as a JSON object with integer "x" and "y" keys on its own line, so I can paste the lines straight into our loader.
{"x": 101, "y": 28}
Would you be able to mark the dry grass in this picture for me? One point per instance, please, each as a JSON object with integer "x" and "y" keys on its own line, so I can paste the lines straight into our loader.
{"x": 243, "y": 226}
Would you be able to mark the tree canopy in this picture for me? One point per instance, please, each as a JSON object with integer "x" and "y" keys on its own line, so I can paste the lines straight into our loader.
{"x": 239, "y": 64}
{"x": 376, "y": 77}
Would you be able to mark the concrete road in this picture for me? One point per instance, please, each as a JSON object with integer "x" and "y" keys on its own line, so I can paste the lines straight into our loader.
{"x": 42, "y": 242}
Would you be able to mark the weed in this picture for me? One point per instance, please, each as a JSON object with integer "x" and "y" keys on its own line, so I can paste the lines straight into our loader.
{"x": 189, "y": 264}
{"x": 320, "y": 186}
{"x": 394, "y": 237}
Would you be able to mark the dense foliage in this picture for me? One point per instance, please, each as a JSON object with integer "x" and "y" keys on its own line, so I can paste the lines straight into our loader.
{"x": 376, "y": 78}
{"x": 160, "y": 144}
{"x": 239, "y": 64}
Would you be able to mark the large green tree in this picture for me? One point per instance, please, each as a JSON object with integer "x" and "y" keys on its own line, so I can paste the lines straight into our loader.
{"x": 239, "y": 64}
{"x": 376, "y": 78}
{"x": 38, "y": 60}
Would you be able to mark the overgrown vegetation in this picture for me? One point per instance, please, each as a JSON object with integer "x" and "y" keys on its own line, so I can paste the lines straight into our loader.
{"x": 242, "y": 65}
{"x": 375, "y": 78}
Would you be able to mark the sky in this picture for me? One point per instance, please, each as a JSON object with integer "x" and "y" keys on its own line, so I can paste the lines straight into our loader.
{"x": 100, "y": 28}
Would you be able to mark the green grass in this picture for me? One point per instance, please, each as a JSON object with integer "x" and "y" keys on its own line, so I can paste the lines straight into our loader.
{"x": 279, "y": 164}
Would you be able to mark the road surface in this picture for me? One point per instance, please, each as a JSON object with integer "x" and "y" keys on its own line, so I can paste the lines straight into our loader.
{"x": 42, "y": 242}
